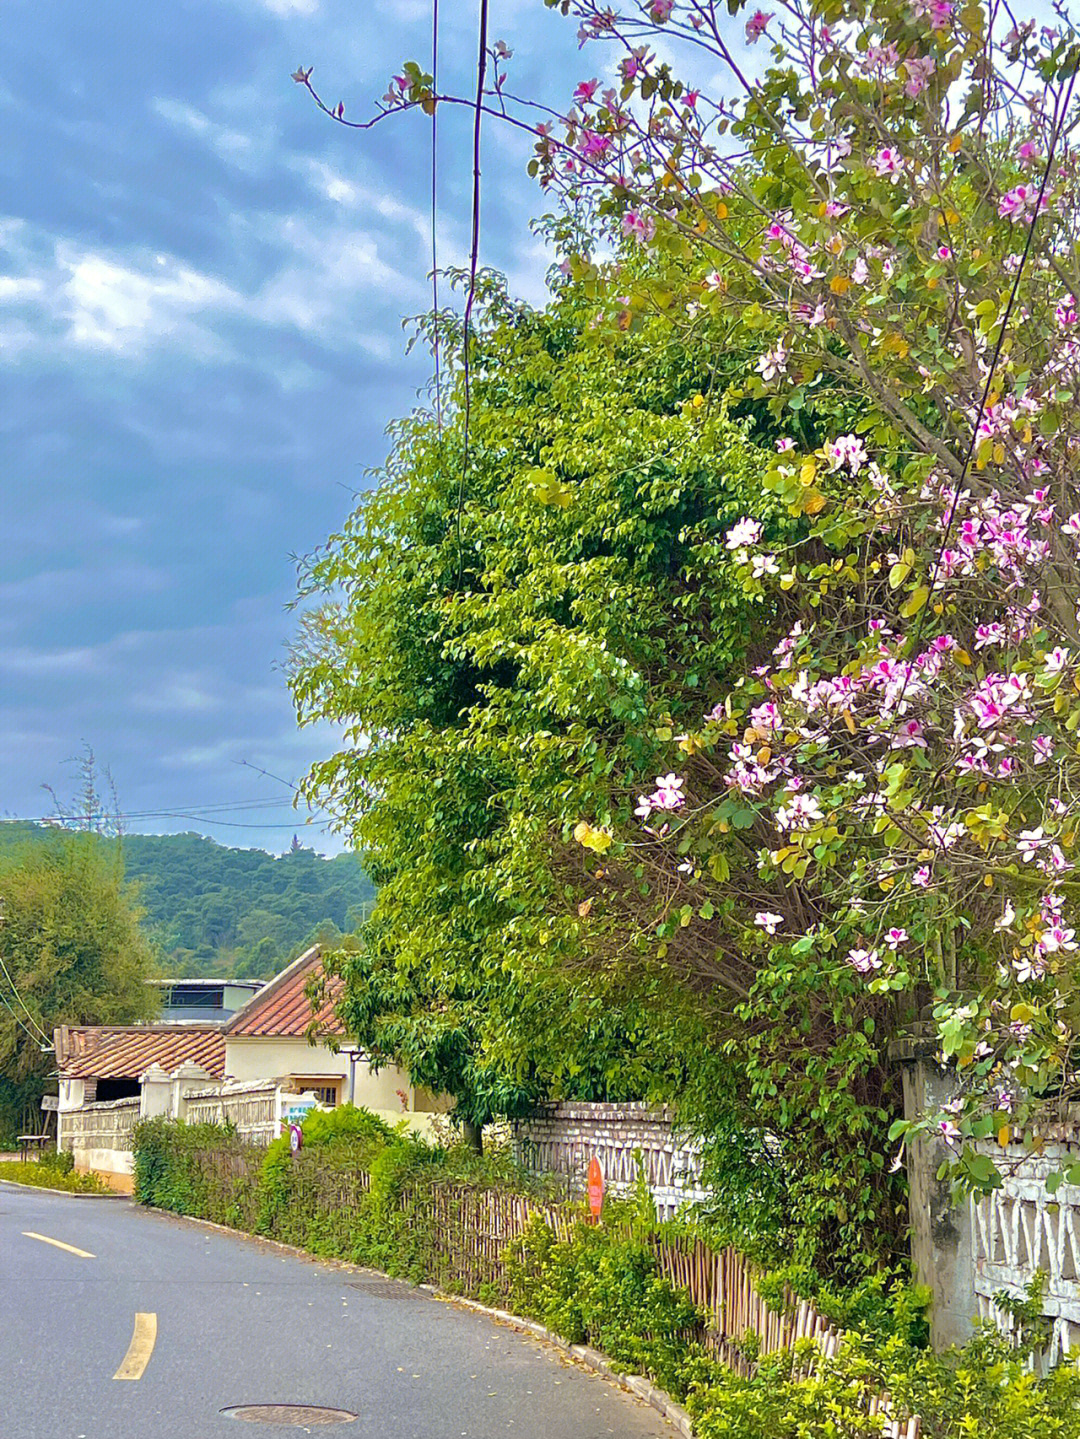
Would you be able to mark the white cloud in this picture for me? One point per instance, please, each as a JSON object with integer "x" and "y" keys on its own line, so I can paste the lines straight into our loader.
{"x": 17, "y": 287}
{"x": 112, "y": 306}
{"x": 291, "y": 7}
{"x": 231, "y": 145}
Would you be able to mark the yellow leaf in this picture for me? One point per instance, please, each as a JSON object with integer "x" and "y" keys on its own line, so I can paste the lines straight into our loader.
{"x": 999, "y": 454}
{"x": 988, "y": 880}
{"x": 764, "y": 755}
{"x": 962, "y": 657}
{"x": 1003, "y": 1135}
{"x": 721, "y": 210}
{"x": 814, "y": 503}
{"x": 849, "y": 721}
{"x": 932, "y": 284}
{"x": 955, "y": 143}
{"x": 584, "y": 907}
{"x": 581, "y": 831}
{"x": 914, "y": 604}
{"x": 839, "y": 284}
{"x": 807, "y": 471}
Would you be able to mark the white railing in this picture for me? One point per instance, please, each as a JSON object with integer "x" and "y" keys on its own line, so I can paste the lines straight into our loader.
{"x": 1021, "y": 1230}
{"x": 107, "y": 1125}
{"x": 252, "y": 1109}
{"x": 624, "y": 1138}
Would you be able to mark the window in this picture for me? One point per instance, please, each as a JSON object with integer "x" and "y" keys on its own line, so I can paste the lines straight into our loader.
{"x": 195, "y": 996}
{"x": 325, "y": 1091}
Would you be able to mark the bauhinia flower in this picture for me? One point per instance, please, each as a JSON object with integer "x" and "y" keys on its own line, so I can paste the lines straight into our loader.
{"x": 745, "y": 532}
{"x": 864, "y": 961}
{"x": 770, "y": 923}
{"x": 757, "y": 25}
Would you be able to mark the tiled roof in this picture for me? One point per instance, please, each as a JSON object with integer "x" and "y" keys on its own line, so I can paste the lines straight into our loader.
{"x": 126, "y": 1051}
{"x": 284, "y": 1008}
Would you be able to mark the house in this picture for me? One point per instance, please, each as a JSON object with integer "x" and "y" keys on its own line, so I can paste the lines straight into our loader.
{"x": 98, "y": 1064}
{"x": 272, "y": 1034}
{"x": 202, "y": 1000}
{"x": 285, "y": 1040}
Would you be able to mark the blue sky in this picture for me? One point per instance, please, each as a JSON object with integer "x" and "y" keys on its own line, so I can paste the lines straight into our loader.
{"x": 202, "y": 283}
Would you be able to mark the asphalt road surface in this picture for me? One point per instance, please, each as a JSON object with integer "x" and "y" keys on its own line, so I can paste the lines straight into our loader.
{"x": 123, "y": 1323}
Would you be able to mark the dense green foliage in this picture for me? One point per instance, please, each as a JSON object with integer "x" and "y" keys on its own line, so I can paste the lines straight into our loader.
{"x": 211, "y": 910}
{"x": 53, "y": 1171}
{"x": 71, "y": 952}
{"x": 524, "y": 652}
{"x": 359, "y": 1192}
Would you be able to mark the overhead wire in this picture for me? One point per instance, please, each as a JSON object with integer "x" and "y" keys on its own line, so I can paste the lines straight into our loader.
{"x": 474, "y": 251}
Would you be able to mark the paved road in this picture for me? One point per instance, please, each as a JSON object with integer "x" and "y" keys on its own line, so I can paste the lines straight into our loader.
{"x": 239, "y": 1323}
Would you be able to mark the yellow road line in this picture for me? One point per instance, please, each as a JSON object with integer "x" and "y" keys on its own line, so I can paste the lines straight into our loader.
{"x": 58, "y": 1244}
{"x": 140, "y": 1348}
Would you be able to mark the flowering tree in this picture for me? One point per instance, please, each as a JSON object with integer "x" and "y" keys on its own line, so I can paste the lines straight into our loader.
{"x": 878, "y": 818}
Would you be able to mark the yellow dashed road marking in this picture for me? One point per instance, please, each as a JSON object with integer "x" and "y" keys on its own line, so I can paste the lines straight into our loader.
{"x": 140, "y": 1348}
{"x": 58, "y": 1244}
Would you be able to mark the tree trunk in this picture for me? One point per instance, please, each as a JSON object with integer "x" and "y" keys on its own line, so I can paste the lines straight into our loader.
{"x": 473, "y": 1134}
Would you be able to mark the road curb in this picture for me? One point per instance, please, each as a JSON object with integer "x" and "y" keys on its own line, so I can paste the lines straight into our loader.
{"x": 66, "y": 1193}
{"x": 589, "y": 1358}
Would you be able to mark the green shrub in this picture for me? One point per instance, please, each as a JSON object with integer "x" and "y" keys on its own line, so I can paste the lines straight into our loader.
{"x": 57, "y": 1161}
{"x": 38, "y": 1175}
{"x": 983, "y": 1391}
{"x": 362, "y": 1192}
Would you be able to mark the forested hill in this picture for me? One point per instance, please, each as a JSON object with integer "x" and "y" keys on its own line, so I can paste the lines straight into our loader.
{"x": 212, "y": 910}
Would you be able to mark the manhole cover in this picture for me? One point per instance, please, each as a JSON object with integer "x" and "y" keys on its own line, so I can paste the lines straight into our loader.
{"x": 300, "y": 1415}
{"x": 387, "y": 1289}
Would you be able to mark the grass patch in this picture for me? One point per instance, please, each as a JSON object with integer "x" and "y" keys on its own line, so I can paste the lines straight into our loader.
{"x": 36, "y": 1174}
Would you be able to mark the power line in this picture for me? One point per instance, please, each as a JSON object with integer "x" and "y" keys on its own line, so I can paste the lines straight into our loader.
{"x": 18, "y": 996}
{"x": 474, "y": 250}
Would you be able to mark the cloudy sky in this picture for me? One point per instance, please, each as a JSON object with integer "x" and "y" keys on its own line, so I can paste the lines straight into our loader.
{"x": 202, "y": 283}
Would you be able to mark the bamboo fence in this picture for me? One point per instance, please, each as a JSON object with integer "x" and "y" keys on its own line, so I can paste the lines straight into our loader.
{"x": 479, "y": 1229}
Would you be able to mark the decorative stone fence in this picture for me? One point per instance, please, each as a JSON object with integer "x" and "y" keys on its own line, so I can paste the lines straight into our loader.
{"x": 1021, "y": 1229}
{"x": 563, "y": 1138}
{"x": 99, "y": 1138}
{"x": 253, "y": 1109}
{"x": 968, "y": 1253}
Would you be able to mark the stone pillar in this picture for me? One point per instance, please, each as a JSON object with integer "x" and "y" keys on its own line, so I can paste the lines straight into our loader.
{"x": 942, "y": 1248}
{"x": 186, "y": 1080}
{"x": 155, "y": 1093}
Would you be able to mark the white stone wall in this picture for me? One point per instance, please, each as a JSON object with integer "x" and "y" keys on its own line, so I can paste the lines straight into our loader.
{"x": 1022, "y": 1228}
{"x": 563, "y": 1138}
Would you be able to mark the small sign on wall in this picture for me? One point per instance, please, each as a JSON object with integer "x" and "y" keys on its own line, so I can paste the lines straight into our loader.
{"x": 595, "y": 1188}
{"x": 50, "y": 1103}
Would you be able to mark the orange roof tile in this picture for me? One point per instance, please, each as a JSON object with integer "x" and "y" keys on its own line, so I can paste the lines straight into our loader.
{"x": 284, "y": 1008}
{"x": 126, "y": 1051}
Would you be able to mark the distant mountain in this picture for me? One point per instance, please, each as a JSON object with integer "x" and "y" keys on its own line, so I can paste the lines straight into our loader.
{"x": 212, "y": 910}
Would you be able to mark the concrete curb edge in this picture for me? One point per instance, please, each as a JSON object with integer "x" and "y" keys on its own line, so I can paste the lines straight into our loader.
{"x": 591, "y": 1359}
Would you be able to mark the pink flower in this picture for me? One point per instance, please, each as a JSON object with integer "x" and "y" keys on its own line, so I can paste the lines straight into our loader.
{"x": 770, "y": 923}
{"x": 944, "y": 253}
{"x": 641, "y": 227}
{"x": 1056, "y": 660}
{"x": 668, "y": 794}
{"x": 918, "y": 72}
{"x": 586, "y": 90}
{"x": 757, "y": 25}
{"x": 1028, "y": 152}
{"x": 921, "y": 877}
{"x": 949, "y": 1132}
{"x": 863, "y": 961}
{"x": 896, "y": 937}
{"x": 889, "y": 163}
{"x": 660, "y": 11}
{"x": 772, "y": 363}
{"x": 746, "y": 532}
{"x": 783, "y": 445}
